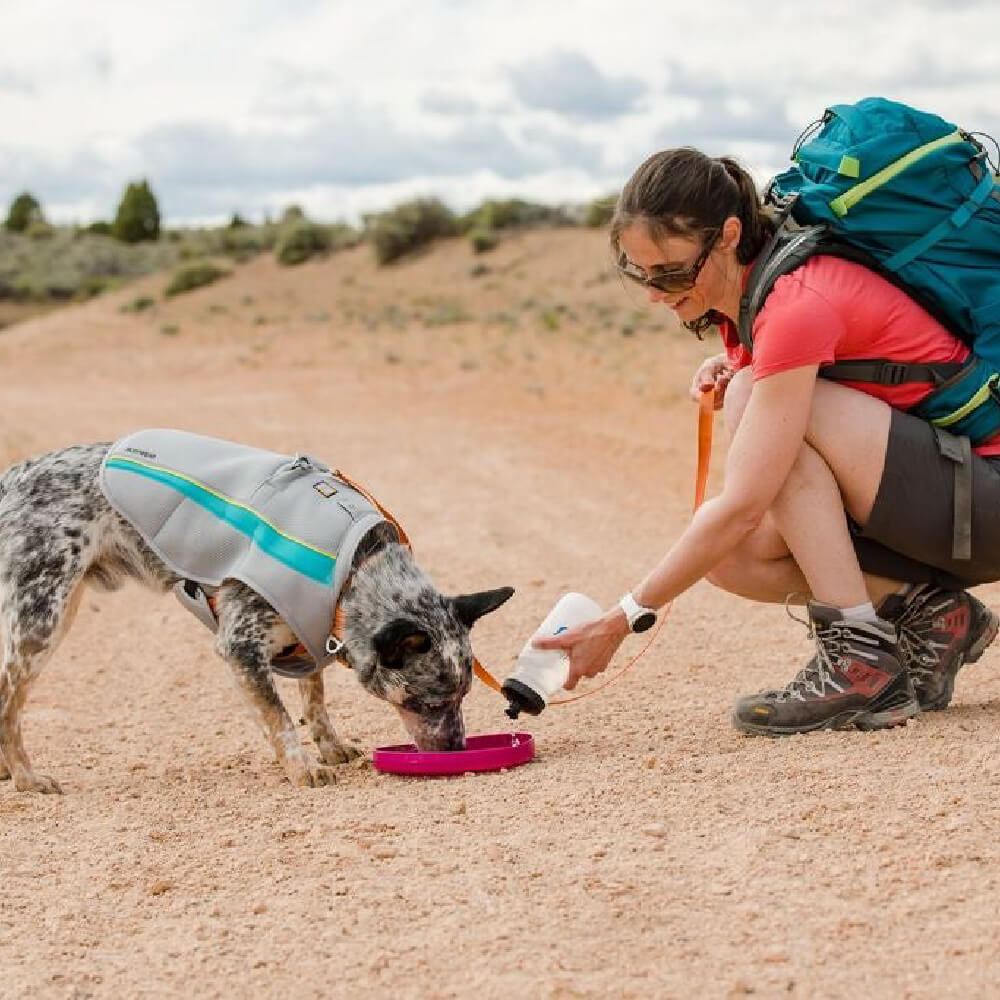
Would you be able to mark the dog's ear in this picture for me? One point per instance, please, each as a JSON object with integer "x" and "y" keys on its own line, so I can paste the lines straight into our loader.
{"x": 398, "y": 640}
{"x": 469, "y": 608}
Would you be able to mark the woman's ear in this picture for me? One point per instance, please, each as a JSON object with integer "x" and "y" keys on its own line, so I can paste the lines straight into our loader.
{"x": 732, "y": 230}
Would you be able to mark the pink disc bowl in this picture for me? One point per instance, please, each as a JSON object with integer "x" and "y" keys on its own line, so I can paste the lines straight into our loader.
{"x": 489, "y": 752}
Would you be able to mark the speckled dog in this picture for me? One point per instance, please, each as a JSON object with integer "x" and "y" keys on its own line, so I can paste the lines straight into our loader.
{"x": 407, "y": 644}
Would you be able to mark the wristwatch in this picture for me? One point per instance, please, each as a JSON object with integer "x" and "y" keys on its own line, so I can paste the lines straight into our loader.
{"x": 639, "y": 618}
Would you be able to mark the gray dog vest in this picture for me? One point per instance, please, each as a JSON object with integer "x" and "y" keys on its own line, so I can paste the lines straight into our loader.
{"x": 212, "y": 510}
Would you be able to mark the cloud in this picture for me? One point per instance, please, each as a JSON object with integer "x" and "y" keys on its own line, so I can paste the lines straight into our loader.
{"x": 441, "y": 103}
{"x": 16, "y": 83}
{"x": 570, "y": 84}
{"x": 202, "y": 166}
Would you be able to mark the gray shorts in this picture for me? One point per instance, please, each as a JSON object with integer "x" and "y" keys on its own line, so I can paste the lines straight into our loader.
{"x": 910, "y": 535}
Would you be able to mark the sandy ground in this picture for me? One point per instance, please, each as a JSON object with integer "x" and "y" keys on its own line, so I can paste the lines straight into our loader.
{"x": 529, "y": 427}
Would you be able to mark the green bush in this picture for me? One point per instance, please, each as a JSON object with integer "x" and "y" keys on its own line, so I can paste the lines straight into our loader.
{"x": 600, "y": 211}
{"x": 299, "y": 240}
{"x": 194, "y": 275}
{"x": 24, "y": 211}
{"x": 99, "y": 228}
{"x": 408, "y": 226}
{"x": 138, "y": 216}
{"x": 40, "y": 230}
{"x": 482, "y": 239}
{"x": 139, "y": 304}
{"x": 509, "y": 213}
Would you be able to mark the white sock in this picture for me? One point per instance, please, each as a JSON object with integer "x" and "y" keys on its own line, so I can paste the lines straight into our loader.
{"x": 861, "y": 613}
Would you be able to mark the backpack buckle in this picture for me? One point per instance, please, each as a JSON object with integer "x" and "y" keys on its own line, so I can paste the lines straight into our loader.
{"x": 892, "y": 373}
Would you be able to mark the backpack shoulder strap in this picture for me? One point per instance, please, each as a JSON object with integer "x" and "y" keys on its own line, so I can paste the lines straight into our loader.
{"x": 789, "y": 248}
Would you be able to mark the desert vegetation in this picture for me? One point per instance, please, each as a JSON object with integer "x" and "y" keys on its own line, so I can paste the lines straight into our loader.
{"x": 43, "y": 264}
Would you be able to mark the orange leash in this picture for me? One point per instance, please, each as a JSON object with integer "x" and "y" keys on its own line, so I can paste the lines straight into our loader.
{"x": 706, "y": 413}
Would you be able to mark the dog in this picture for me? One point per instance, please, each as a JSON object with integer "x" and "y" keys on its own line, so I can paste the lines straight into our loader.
{"x": 407, "y": 643}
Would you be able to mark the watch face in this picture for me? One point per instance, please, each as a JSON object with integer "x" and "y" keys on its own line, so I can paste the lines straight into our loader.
{"x": 643, "y": 621}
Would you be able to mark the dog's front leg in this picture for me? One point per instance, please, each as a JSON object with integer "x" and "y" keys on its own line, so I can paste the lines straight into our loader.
{"x": 246, "y": 641}
{"x": 331, "y": 749}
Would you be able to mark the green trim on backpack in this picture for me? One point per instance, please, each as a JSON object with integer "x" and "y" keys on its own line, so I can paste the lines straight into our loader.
{"x": 842, "y": 205}
{"x": 982, "y": 394}
{"x": 850, "y": 166}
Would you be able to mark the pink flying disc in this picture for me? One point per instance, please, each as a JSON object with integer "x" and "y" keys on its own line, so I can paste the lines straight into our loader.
{"x": 482, "y": 753}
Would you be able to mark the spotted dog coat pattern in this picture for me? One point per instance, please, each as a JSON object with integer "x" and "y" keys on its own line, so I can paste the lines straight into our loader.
{"x": 214, "y": 510}
{"x": 408, "y": 644}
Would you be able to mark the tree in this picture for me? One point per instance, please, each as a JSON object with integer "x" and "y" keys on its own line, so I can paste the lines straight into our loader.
{"x": 24, "y": 210}
{"x": 138, "y": 217}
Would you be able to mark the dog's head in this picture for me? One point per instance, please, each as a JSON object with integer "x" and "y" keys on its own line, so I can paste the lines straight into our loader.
{"x": 409, "y": 644}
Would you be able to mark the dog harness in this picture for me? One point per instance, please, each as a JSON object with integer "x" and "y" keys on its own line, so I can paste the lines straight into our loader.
{"x": 284, "y": 525}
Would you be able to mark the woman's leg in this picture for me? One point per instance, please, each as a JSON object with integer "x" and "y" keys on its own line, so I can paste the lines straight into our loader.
{"x": 840, "y": 465}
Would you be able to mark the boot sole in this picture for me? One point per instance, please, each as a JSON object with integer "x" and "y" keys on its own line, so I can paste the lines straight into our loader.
{"x": 864, "y": 719}
{"x": 989, "y": 626}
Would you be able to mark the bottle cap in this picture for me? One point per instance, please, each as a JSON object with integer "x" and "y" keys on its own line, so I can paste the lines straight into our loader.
{"x": 522, "y": 698}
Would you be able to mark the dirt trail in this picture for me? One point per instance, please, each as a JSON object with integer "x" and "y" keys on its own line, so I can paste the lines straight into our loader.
{"x": 529, "y": 427}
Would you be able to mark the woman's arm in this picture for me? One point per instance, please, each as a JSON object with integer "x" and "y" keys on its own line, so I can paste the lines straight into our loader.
{"x": 760, "y": 458}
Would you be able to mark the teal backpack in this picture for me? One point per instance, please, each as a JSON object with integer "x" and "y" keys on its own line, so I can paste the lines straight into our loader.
{"x": 916, "y": 199}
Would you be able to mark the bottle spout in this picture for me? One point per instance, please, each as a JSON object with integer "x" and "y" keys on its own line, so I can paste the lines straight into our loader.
{"x": 521, "y": 698}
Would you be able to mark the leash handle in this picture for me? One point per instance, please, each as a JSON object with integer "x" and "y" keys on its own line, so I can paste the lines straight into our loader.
{"x": 706, "y": 414}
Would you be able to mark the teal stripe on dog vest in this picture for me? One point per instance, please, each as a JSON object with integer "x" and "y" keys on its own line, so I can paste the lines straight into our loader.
{"x": 289, "y": 551}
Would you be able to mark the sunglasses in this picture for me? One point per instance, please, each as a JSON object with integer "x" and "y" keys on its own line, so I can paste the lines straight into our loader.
{"x": 681, "y": 279}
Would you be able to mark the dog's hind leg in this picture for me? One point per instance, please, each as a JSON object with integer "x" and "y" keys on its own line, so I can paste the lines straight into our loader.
{"x": 250, "y": 633}
{"x": 331, "y": 749}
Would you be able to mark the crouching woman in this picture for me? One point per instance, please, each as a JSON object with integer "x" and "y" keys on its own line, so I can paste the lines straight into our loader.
{"x": 834, "y": 490}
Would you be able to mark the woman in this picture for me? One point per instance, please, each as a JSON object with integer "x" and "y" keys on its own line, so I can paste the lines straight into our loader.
{"x": 832, "y": 490}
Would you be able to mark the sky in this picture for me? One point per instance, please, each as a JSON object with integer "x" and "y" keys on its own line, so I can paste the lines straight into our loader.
{"x": 352, "y": 107}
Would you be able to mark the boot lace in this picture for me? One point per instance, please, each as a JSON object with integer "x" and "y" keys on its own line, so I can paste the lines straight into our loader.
{"x": 832, "y": 649}
{"x": 915, "y": 630}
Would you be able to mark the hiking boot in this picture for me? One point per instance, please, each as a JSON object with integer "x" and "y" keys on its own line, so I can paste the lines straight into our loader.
{"x": 856, "y": 677}
{"x": 939, "y": 631}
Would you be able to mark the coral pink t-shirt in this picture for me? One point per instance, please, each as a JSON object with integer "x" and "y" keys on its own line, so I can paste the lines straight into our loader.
{"x": 836, "y": 310}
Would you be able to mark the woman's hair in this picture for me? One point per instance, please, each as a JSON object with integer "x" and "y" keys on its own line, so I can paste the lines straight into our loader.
{"x": 683, "y": 192}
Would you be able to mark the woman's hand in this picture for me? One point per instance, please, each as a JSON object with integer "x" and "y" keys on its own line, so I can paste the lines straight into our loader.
{"x": 713, "y": 373}
{"x": 590, "y": 646}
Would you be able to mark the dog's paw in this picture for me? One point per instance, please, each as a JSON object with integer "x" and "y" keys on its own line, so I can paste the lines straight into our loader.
{"x": 314, "y": 776}
{"x": 4, "y": 771}
{"x": 37, "y": 783}
{"x": 340, "y": 753}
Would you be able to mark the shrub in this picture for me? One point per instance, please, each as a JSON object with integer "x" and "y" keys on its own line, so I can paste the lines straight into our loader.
{"x": 139, "y": 304}
{"x": 482, "y": 239}
{"x": 39, "y": 229}
{"x": 138, "y": 216}
{"x": 100, "y": 228}
{"x": 599, "y": 211}
{"x": 511, "y": 212}
{"x": 408, "y": 226}
{"x": 24, "y": 211}
{"x": 194, "y": 275}
{"x": 299, "y": 240}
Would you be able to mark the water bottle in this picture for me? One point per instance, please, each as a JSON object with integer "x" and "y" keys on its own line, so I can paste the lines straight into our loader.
{"x": 541, "y": 672}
